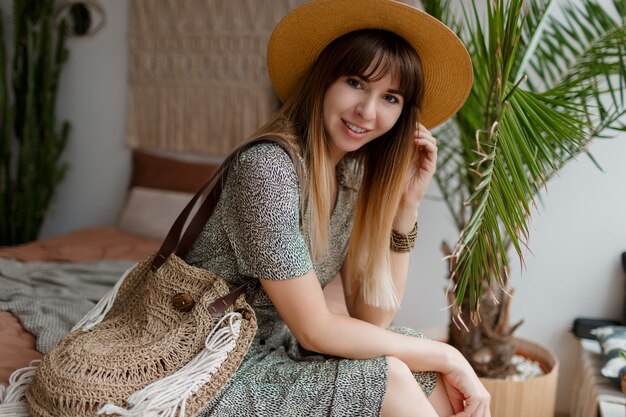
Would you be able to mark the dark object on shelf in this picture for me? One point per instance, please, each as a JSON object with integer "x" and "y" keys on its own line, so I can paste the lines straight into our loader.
{"x": 583, "y": 326}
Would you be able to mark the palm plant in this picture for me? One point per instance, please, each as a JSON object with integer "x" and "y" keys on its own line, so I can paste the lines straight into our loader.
{"x": 543, "y": 89}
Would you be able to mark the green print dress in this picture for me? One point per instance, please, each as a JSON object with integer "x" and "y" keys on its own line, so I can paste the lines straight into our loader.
{"x": 255, "y": 233}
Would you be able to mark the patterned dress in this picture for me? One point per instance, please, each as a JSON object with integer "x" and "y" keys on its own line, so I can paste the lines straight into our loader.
{"x": 255, "y": 232}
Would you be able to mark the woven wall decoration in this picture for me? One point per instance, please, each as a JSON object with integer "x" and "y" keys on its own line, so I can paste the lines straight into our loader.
{"x": 198, "y": 79}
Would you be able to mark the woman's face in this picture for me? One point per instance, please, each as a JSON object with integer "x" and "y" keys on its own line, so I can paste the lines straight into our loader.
{"x": 357, "y": 111}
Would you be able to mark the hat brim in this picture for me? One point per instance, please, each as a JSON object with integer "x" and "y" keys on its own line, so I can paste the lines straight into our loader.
{"x": 300, "y": 37}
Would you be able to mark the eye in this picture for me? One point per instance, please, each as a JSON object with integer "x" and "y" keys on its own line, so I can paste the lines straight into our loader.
{"x": 354, "y": 83}
{"x": 391, "y": 99}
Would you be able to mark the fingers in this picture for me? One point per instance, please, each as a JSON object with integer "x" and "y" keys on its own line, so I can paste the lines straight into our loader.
{"x": 421, "y": 131}
{"x": 457, "y": 404}
{"x": 475, "y": 405}
{"x": 476, "y": 398}
{"x": 426, "y": 144}
{"x": 480, "y": 411}
{"x": 477, "y": 408}
{"x": 423, "y": 137}
{"x": 429, "y": 143}
{"x": 427, "y": 149}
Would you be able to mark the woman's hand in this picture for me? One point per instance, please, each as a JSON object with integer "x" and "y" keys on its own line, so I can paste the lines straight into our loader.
{"x": 424, "y": 166}
{"x": 468, "y": 396}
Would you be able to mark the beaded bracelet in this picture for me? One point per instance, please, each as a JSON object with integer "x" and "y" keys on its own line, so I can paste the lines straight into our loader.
{"x": 403, "y": 242}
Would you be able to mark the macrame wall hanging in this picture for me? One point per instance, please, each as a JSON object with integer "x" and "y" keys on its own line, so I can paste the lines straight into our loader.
{"x": 198, "y": 79}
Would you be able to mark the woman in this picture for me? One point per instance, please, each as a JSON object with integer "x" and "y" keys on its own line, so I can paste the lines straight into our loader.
{"x": 354, "y": 93}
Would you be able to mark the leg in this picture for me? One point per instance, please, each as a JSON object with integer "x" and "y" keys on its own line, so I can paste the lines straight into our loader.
{"x": 439, "y": 399}
{"x": 404, "y": 396}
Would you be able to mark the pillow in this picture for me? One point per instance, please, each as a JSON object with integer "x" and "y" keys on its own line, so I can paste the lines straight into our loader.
{"x": 613, "y": 342}
{"x": 163, "y": 173}
{"x": 150, "y": 212}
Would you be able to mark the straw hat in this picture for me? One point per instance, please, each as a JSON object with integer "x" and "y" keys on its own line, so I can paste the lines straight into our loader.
{"x": 301, "y": 36}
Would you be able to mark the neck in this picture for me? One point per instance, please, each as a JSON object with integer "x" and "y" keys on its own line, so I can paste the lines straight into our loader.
{"x": 335, "y": 155}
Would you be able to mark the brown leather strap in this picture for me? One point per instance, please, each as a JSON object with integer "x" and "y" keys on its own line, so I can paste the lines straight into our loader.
{"x": 174, "y": 243}
{"x": 171, "y": 240}
{"x": 217, "y": 307}
{"x": 202, "y": 216}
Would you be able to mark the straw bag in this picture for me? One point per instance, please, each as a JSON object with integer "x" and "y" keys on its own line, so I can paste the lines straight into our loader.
{"x": 164, "y": 342}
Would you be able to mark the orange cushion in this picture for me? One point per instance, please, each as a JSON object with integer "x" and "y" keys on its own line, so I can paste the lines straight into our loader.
{"x": 153, "y": 171}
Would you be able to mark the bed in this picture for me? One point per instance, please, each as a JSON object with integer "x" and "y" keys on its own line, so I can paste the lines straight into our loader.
{"x": 159, "y": 188}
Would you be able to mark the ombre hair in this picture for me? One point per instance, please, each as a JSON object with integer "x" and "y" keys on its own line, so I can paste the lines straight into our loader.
{"x": 383, "y": 164}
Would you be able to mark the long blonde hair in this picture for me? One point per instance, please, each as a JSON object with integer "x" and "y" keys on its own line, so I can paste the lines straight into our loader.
{"x": 383, "y": 163}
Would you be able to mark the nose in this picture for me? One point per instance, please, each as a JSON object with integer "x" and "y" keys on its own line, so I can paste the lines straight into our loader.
{"x": 366, "y": 108}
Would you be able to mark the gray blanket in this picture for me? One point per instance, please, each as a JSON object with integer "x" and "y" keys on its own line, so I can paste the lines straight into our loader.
{"x": 49, "y": 298}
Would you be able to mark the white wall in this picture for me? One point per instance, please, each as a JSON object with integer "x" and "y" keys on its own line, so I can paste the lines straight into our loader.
{"x": 93, "y": 98}
{"x": 576, "y": 239}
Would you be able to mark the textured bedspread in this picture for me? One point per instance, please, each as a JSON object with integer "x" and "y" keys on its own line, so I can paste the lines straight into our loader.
{"x": 17, "y": 345}
{"x": 49, "y": 298}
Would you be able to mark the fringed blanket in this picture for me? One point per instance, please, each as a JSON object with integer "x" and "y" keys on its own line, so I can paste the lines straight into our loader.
{"x": 49, "y": 298}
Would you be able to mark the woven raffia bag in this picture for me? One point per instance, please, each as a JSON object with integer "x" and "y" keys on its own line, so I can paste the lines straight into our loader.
{"x": 164, "y": 341}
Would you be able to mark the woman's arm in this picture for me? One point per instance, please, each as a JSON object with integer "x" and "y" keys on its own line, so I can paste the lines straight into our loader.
{"x": 301, "y": 304}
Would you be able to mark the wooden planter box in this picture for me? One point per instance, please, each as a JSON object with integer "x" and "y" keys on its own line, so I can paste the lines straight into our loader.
{"x": 532, "y": 398}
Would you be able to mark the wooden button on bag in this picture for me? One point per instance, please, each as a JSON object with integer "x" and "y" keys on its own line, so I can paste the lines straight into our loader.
{"x": 183, "y": 302}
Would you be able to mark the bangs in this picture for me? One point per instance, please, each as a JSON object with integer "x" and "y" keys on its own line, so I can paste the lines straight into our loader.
{"x": 373, "y": 54}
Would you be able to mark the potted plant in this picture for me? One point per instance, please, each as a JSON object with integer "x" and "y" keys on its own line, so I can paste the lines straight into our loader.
{"x": 543, "y": 89}
{"x": 31, "y": 142}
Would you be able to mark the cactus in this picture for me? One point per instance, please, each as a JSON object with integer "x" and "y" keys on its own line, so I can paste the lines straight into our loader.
{"x": 31, "y": 144}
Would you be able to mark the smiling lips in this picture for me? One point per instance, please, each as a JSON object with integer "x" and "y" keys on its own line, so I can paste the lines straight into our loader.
{"x": 355, "y": 130}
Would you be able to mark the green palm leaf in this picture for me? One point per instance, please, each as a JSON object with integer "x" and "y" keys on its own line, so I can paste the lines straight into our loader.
{"x": 512, "y": 135}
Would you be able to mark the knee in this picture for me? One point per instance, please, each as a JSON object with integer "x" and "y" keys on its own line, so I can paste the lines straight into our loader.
{"x": 403, "y": 395}
{"x": 398, "y": 371}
